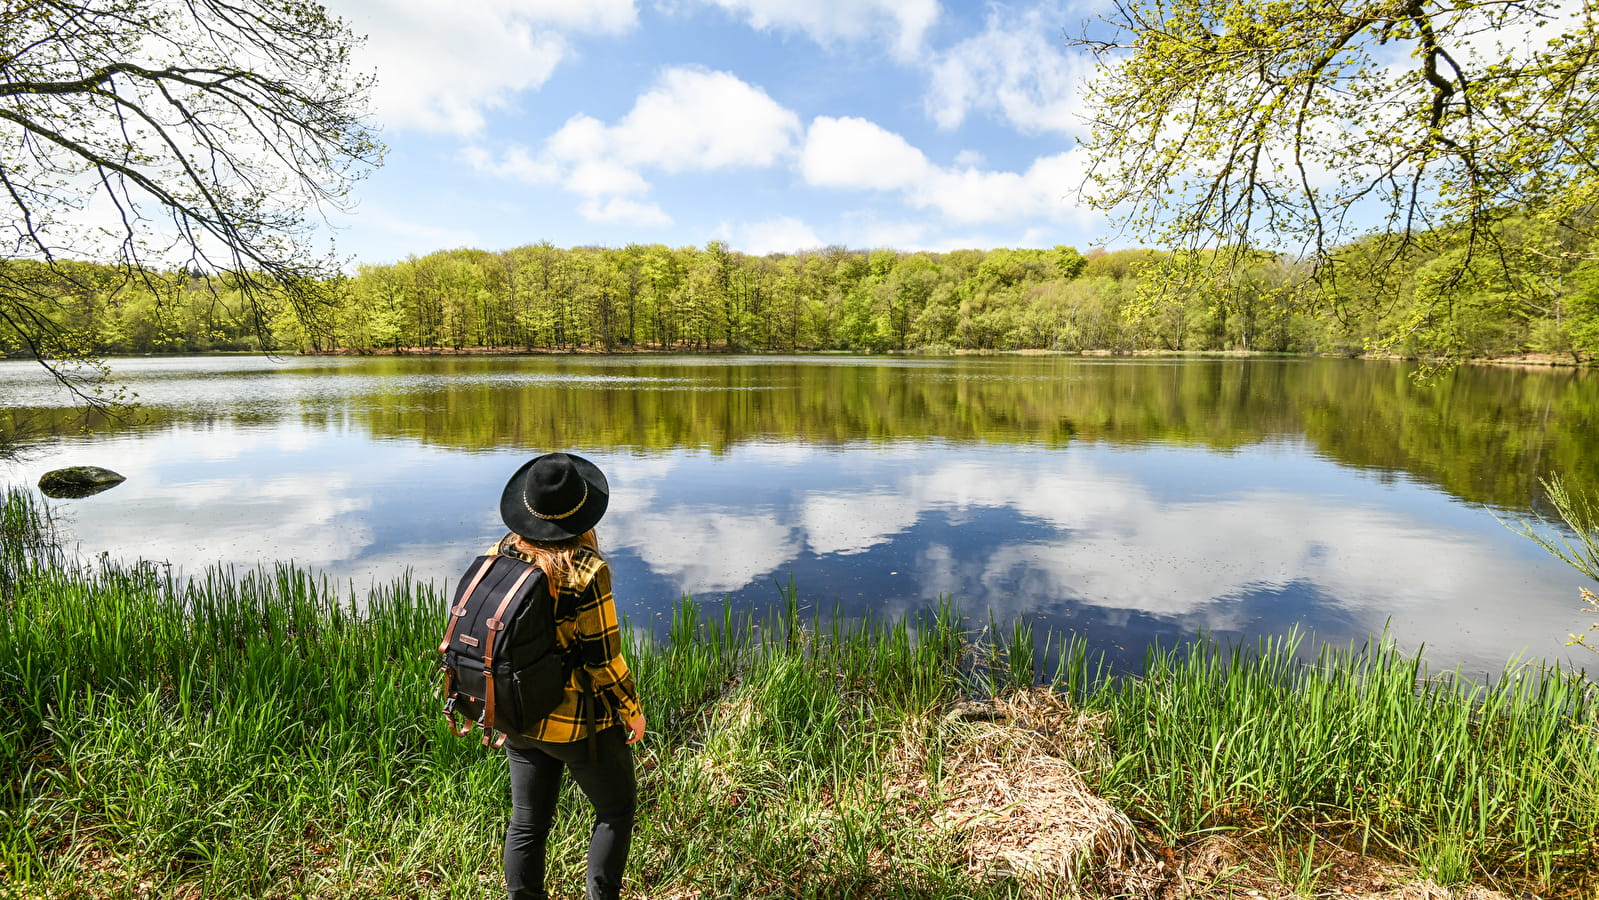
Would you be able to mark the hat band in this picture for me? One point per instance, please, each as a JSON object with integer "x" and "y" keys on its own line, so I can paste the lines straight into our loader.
{"x": 572, "y": 511}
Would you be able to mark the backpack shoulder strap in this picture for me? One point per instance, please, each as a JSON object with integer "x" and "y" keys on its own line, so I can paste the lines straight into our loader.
{"x": 460, "y": 604}
{"x": 496, "y": 623}
{"x": 459, "y": 611}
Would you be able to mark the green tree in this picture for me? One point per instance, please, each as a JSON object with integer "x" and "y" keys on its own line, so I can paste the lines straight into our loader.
{"x": 664, "y": 272}
{"x": 1296, "y": 126}
{"x": 370, "y": 309}
{"x": 1582, "y": 312}
{"x": 212, "y": 129}
{"x": 904, "y": 294}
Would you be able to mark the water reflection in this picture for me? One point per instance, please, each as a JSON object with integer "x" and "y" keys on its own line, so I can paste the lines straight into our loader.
{"x": 1127, "y": 501}
{"x": 1089, "y": 538}
{"x": 1484, "y": 435}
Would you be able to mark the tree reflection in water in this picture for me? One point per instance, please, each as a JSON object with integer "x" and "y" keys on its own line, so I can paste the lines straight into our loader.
{"x": 1129, "y": 499}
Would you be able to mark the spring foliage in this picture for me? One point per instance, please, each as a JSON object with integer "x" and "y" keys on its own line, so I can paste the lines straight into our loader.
{"x": 545, "y": 298}
{"x": 1458, "y": 137}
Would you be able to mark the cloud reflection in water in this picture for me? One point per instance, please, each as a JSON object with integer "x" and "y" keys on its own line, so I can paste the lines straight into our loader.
{"x": 1119, "y": 545}
{"x": 1079, "y": 538}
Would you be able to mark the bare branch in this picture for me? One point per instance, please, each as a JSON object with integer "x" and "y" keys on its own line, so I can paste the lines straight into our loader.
{"x": 211, "y": 130}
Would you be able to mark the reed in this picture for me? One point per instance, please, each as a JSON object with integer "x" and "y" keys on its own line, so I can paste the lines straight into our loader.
{"x": 1365, "y": 745}
{"x": 269, "y": 733}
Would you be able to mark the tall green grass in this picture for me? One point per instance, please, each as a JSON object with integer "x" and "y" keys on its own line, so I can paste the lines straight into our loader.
{"x": 1463, "y": 778}
{"x": 267, "y": 733}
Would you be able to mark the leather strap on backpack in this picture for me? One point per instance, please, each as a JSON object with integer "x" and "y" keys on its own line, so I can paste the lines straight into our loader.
{"x": 496, "y": 624}
{"x": 460, "y": 608}
{"x": 457, "y": 728}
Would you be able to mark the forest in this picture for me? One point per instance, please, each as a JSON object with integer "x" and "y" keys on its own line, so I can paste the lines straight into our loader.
{"x": 712, "y": 298}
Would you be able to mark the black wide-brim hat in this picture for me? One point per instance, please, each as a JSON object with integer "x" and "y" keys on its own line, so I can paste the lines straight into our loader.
{"x": 554, "y": 497}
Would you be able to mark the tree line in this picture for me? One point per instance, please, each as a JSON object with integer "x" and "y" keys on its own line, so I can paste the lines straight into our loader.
{"x": 1479, "y": 168}
{"x": 712, "y": 298}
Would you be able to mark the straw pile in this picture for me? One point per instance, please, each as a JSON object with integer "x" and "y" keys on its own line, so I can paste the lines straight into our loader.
{"x": 1002, "y": 778}
{"x": 1011, "y": 786}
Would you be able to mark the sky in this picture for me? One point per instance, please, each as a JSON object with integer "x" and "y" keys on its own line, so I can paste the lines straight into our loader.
{"x": 773, "y": 125}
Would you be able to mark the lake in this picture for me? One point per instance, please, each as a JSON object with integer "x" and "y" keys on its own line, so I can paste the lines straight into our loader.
{"x": 1128, "y": 500}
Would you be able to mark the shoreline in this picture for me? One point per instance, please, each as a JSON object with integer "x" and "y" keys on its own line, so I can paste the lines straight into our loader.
{"x": 1532, "y": 361}
{"x": 271, "y": 741}
{"x": 1526, "y": 360}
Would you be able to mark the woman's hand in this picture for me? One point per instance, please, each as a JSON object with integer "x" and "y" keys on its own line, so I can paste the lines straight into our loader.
{"x": 635, "y": 729}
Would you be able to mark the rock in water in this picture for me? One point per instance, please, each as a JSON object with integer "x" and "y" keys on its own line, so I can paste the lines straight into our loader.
{"x": 78, "y": 481}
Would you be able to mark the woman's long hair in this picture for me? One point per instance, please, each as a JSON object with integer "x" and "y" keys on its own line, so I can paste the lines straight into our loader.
{"x": 555, "y": 557}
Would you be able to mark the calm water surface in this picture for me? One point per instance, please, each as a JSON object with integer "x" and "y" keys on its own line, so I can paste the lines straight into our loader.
{"x": 1127, "y": 500}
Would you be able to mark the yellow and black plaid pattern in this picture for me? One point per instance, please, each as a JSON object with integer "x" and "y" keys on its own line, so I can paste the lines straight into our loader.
{"x": 585, "y": 613}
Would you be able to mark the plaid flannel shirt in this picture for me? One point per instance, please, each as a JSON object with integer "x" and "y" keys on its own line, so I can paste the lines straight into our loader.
{"x": 585, "y": 613}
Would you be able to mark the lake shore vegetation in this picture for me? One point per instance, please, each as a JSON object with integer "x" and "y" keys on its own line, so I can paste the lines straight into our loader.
{"x": 541, "y": 298}
{"x": 265, "y": 733}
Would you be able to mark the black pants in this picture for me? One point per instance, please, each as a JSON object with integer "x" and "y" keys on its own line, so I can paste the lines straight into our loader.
{"x": 608, "y": 782}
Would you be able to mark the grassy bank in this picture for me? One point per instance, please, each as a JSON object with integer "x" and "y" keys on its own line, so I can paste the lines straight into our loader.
{"x": 250, "y": 735}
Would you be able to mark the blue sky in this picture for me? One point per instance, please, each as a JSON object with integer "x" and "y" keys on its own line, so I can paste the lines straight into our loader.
{"x": 774, "y": 125}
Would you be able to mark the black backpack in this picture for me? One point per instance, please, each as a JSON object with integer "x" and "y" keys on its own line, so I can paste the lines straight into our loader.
{"x": 503, "y": 668}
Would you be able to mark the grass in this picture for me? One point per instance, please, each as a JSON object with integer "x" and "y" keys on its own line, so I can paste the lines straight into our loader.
{"x": 265, "y": 734}
{"x": 1366, "y": 747}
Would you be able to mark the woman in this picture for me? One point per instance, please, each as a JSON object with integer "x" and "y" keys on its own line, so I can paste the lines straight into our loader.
{"x": 551, "y": 506}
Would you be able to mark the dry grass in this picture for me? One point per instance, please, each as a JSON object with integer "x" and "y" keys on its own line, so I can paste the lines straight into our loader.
{"x": 1249, "y": 869}
{"x": 1012, "y": 785}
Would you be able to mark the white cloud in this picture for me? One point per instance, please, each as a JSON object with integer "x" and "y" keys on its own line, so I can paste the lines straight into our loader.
{"x": 605, "y": 178}
{"x": 514, "y": 162}
{"x": 1120, "y": 548}
{"x": 1018, "y": 68}
{"x": 166, "y": 515}
{"x": 698, "y": 120}
{"x": 781, "y": 235}
{"x": 590, "y": 16}
{"x": 441, "y": 66}
{"x": 899, "y": 235}
{"x": 581, "y": 136}
{"x": 776, "y": 452}
{"x": 852, "y": 153}
{"x": 621, "y": 211}
{"x": 635, "y": 482}
{"x": 826, "y": 22}
{"x": 1484, "y": 38}
{"x": 1048, "y": 189}
{"x": 855, "y": 153}
{"x": 402, "y": 236}
{"x": 690, "y": 120}
{"x": 702, "y": 550}
{"x": 1187, "y": 559}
